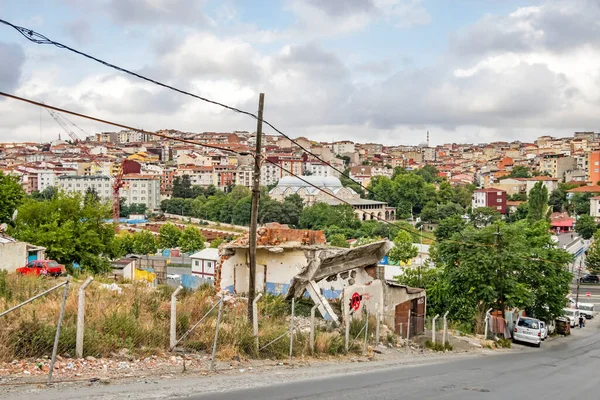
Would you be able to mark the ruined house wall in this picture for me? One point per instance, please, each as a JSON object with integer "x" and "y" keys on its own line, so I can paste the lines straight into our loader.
{"x": 394, "y": 295}
{"x": 360, "y": 296}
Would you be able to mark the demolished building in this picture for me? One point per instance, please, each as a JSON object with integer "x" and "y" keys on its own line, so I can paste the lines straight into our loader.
{"x": 293, "y": 262}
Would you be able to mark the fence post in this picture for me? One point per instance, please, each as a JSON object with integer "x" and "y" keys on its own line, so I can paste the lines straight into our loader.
{"x": 366, "y": 334}
{"x": 408, "y": 329}
{"x": 487, "y": 314}
{"x": 214, "y": 352}
{"x": 312, "y": 327}
{"x": 377, "y": 322}
{"x": 255, "y": 319}
{"x": 445, "y": 338}
{"x": 173, "y": 333}
{"x": 292, "y": 329}
{"x": 81, "y": 317}
{"x": 433, "y": 328}
{"x": 57, "y": 336}
{"x": 347, "y": 320}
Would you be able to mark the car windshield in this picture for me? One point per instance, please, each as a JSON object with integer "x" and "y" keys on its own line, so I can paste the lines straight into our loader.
{"x": 528, "y": 323}
{"x": 586, "y": 307}
{"x": 52, "y": 264}
{"x": 569, "y": 313}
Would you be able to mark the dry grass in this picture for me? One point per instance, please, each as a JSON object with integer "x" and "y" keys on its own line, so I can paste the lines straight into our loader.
{"x": 138, "y": 319}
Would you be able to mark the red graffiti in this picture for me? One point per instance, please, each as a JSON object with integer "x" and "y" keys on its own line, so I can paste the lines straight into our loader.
{"x": 355, "y": 301}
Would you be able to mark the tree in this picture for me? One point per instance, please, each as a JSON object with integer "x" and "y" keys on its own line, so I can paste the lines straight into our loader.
{"x": 538, "y": 203}
{"x": 449, "y": 226}
{"x": 12, "y": 196}
{"x": 592, "y": 259}
{"x": 182, "y": 187}
{"x": 121, "y": 245}
{"x": 322, "y": 215}
{"x": 519, "y": 171}
{"x": 191, "y": 239}
{"x": 429, "y": 173}
{"x": 483, "y": 216}
{"x": 586, "y": 226}
{"x": 91, "y": 195}
{"x": 501, "y": 266}
{"x": 216, "y": 243}
{"x": 338, "y": 240}
{"x": 403, "y": 250}
{"x": 445, "y": 192}
{"x": 168, "y": 236}
{"x": 144, "y": 242}
{"x": 520, "y": 213}
{"x": 242, "y": 211}
{"x": 70, "y": 229}
{"x": 581, "y": 202}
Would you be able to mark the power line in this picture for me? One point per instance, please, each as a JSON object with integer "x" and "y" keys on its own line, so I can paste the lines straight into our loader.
{"x": 104, "y": 121}
{"x": 38, "y": 38}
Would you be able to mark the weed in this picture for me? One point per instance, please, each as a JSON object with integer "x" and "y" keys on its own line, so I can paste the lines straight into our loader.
{"x": 438, "y": 346}
{"x": 504, "y": 343}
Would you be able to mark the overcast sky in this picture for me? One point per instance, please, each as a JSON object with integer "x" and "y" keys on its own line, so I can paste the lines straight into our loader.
{"x": 364, "y": 70}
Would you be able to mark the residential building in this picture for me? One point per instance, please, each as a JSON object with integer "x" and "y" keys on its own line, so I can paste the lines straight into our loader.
{"x": 204, "y": 263}
{"x": 16, "y": 254}
{"x": 594, "y": 167}
{"x": 141, "y": 189}
{"x": 595, "y": 207}
{"x": 512, "y": 185}
{"x": 342, "y": 147}
{"x": 81, "y": 183}
{"x": 490, "y": 197}
{"x": 549, "y": 183}
{"x": 557, "y": 165}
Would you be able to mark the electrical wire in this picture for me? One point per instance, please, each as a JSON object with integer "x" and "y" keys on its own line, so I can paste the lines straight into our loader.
{"x": 38, "y": 38}
{"x": 104, "y": 121}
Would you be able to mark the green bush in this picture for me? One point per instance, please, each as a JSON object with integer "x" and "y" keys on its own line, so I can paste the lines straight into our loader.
{"x": 438, "y": 346}
{"x": 504, "y": 343}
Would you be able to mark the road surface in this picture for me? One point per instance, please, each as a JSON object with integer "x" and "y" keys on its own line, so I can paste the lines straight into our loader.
{"x": 563, "y": 368}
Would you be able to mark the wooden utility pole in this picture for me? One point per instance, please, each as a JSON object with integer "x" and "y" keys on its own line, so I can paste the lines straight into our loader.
{"x": 254, "y": 212}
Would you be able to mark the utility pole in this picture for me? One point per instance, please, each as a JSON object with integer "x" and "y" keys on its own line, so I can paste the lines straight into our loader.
{"x": 500, "y": 270}
{"x": 254, "y": 212}
{"x": 578, "y": 282}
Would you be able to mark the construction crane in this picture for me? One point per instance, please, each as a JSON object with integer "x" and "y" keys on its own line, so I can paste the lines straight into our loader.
{"x": 117, "y": 178}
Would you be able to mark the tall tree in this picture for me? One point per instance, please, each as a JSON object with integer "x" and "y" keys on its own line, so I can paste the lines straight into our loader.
{"x": 70, "y": 229}
{"x": 538, "y": 203}
{"x": 586, "y": 226}
{"x": 403, "y": 250}
{"x": 592, "y": 259}
{"x": 168, "y": 236}
{"x": 449, "y": 226}
{"x": 11, "y": 196}
{"x": 182, "y": 187}
{"x": 191, "y": 240}
{"x": 144, "y": 242}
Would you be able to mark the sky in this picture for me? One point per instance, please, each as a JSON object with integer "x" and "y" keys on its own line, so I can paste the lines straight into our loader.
{"x": 385, "y": 71}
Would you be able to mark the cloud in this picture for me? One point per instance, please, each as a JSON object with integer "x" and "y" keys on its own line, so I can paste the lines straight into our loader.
{"x": 11, "y": 67}
{"x": 333, "y": 17}
{"x": 80, "y": 30}
{"x": 184, "y": 12}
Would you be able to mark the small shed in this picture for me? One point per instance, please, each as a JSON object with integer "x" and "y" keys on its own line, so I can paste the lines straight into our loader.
{"x": 204, "y": 263}
{"x": 15, "y": 254}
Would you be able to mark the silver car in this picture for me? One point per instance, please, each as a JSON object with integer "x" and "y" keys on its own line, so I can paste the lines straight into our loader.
{"x": 528, "y": 330}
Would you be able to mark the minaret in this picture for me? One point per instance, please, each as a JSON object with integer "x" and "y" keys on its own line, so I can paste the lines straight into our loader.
{"x": 427, "y": 138}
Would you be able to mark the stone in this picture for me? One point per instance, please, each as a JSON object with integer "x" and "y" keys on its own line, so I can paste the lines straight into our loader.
{"x": 90, "y": 358}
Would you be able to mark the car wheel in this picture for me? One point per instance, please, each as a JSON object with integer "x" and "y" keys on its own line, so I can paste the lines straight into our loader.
{"x": 538, "y": 345}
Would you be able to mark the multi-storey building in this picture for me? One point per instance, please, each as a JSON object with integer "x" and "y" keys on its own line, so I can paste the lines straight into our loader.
{"x": 491, "y": 197}
{"x": 557, "y": 164}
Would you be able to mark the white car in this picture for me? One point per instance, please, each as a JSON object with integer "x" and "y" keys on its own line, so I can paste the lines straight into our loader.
{"x": 528, "y": 330}
{"x": 544, "y": 330}
{"x": 573, "y": 315}
{"x": 587, "y": 310}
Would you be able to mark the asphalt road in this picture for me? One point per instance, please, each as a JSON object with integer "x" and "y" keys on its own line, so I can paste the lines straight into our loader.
{"x": 564, "y": 368}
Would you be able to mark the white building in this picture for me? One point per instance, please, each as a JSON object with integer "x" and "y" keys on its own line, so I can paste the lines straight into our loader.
{"x": 342, "y": 147}
{"x": 204, "y": 263}
{"x": 595, "y": 206}
{"x": 48, "y": 177}
{"x": 81, "y": 183}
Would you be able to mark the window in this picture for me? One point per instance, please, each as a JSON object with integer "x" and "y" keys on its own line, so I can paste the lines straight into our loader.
{"x": 499, "y": 207}
{"x": 135, "y": 198}
{"x": 596, "y": 162}
{"x": 499, "y": 193}
{"x": 498, "y": 200}
{"x": 135, "y": 185}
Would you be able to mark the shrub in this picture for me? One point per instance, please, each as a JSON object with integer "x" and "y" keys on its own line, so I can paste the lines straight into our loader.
{"x": 438, "y": 346}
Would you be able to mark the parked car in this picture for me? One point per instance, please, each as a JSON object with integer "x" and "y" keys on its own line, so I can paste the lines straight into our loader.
{"x": 589, "y": 279}
{"x": 586, "y": 309}
{"x": 42, "y": 267}
{"x": 528, "y": 330}
{"x": 544, "y": 330}
{"x": 573, "y": 315}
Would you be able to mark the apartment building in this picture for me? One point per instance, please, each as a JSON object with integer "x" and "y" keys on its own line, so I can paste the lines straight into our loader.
{"x": 491, "y": 197}
{"x": 141, "y": 189}
{"x": 81, "y": 183}
{"x": 557, "y": 164}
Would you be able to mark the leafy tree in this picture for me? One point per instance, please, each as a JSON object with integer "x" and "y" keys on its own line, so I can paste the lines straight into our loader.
{"x": 538, "y": 203}
{"x": 449, "y": 226}
{"x": 483, "y": 216}
{"x": 519, "y": 171}
{"x": 168, "y": 236}
{"x": 592, "y": 259}
{"x": 242, "y": 211}
{"x": 338, "y": 240}
{"x": 504, "y": 265}
{"x": 121, "y": 245}
{"x": 586, "y": 226}
{"x": 429, "y": 173}
{"x": 216, "y": 243}
{"x": 521, "y": 196}
{"x": 144, "y": 242}
{"x": 91, "y": 196}
{"x": 47, "y": 194}
{"x": 191, "y": 239}
{"x": 71, "y": 230}
{"x": 519, "y": 214}
{"x": 11, "y": 196}
{"x": 349, "y": 183}
{"x": 429, "y": 213}
{"x": 182, "y": 187}
{"x": 463, "y": 194}
{"x": 445, "y": 192}
{"x": 581, "y": 202}
{"x": 403, "y": 249}
{"x": 449, "y": 209}
{"x": 322, "y": 215}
